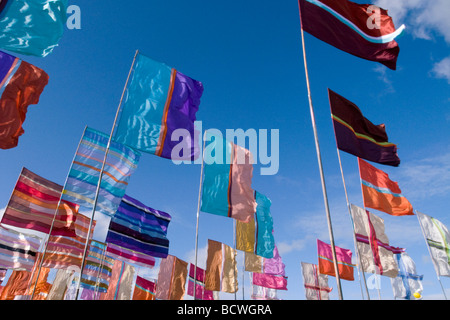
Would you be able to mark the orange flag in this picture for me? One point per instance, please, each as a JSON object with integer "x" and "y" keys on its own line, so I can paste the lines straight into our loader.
{"x": 380, "y": 193}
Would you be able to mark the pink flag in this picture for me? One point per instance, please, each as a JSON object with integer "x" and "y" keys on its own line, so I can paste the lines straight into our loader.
{"x": 200, "y": 292}
{"x": 274, "y": 266}
{"x": 270, "y": 281}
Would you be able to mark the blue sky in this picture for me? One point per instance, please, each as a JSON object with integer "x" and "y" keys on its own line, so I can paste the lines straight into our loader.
{"x": 248, "y": 56}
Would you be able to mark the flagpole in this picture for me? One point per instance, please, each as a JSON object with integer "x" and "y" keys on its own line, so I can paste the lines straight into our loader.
{"x": 330, "y": 228}
{"x": 198, "y": 214}
{"x": 101, "y": 174}
{"x": 429, "y": 252}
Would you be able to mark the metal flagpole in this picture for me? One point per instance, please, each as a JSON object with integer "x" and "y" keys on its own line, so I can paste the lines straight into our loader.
{"x": 101, "y": 174}
{"x": 429, "y": 251}
{"x": 198, "y": 213}
{"x": 330, "y": 229}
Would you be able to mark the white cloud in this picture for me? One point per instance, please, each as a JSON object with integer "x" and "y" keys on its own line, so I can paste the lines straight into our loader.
{"x": 442, "y": 69}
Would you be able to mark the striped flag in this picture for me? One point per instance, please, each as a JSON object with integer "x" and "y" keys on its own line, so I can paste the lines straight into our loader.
{"x": 144, "y": 289}
{"x": 316, "y": 284}
{"x": 227, "y": 189}
{"x": 408, "y": 282}
{"x": 171, "y": 279}
{"x": 122, "y": 282}
{"x": 21, "y": 85}
{"x": 18, "y": 251}
{"x": 326, "y": 261}
{"x": 138, "y": 233}
{"x": 381, "y": 193}
{"x": 200, "y": 292}
{"x": 363, "y": 30}
{"x": 159, "y": 101}
{"x": 33, "y": 205}
{"x": 82, "y": 180}
{"x": 221, "y": 268}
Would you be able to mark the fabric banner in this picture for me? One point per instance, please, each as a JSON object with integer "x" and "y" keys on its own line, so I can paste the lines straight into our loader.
{"x": 137, "y": 233}
{"x": 221, "y": 268}
{"x": 274, "y": 266}
{"x": 357, "y": 135}
{"x": 82, "y": 180}
{"x": 33, "y": 205}
{"x": 245, "y": 235}
{"x": 363, "y": 30}
{"x": 60, "y": 284}
{"x": 262, "y": 293}
{"x": 376, "y": 255}
{"x": 122, "y": 282}
{"x": 316, "y": 284}
{"x": 144, "y": 289}
{"x": 200, "y": 292}
{"x": 227, "y": 184}
{"x": 160, "y": 100}
{"x": 265, "y": 242}
{"x": 270, "y": 281}
{"x": 381, "y": 193}
{"x": 171, "y": 279}
{"x": 32, "y": 27}
{"x": 326, "y": 261}
{"x": 21, "y": 85}
{"x": 437, "y": 237}
{"x": 253, "y": 263}
{"x": 408, "y": 282}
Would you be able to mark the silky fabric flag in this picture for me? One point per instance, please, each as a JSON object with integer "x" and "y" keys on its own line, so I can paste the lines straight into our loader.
{"x": 18, "y": 251}
{"x": 357, "y": 135}
{"x": 253, "y": 263}
{"x": 278, "y": 282}
{"x": 221, "y": 268}
{"x": 171, "y": 279}
{"x": 408, "y": 282}
{"x": 32, "y": 27}
{"x": 326, "y": 261}
{"x": 200, "y": 292}
{"x": 316, "y": 284}
{"x": 363, "y": 30}
{"x": 265, "y": 242}
{"x": 122, "y": 282}
{"x": 275, "y": 265}
{"x": 381, "y": 193}
{"x": 33, "y": 205}
{"x": 227, "y": 184}
{"x": 437, "y": 237}
{"x": 262, "y": 293}
{"x": 138, "y": 233}
{"x": 82, "y": 180}
{"x": 60, "y": 284}
{"x": 159, "y": 100}
{"x": 21, "y": 85}
{"x": 144, "y": 289}
{"x": 376, "y": 255}
{"x": 245, "y": 235}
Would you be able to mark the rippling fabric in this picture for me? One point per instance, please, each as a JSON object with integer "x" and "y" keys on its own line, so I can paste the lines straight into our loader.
{"x": 32, "y": 27}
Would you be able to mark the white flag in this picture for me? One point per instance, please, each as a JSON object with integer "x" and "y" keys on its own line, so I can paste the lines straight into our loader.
{"x": 437, "y": 237}
{"x": 316, "y": 284}
{"x": 408, "y": 282}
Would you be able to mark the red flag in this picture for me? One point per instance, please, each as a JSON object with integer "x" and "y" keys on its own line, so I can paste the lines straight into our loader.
{"x": 326, "y": 261}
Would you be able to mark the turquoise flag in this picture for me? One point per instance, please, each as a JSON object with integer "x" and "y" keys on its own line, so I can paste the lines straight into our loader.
{"x": 32, "y": 27}
{"x": 265, "y": 240}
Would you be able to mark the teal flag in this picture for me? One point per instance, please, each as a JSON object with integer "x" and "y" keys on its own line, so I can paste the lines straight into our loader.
{"x": 32, "y": 27}
{"x": 265, "y": 239}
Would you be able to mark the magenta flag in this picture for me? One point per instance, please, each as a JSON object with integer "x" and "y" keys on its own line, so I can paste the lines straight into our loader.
{"x": 274, "y": 266}
{"x": 270, "y": 281}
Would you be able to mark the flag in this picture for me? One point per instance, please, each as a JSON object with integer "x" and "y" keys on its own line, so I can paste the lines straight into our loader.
{"x": 18, "y": 251}
{"x": 21, "y": 285}
{"x": 144, "y": 289}
{"x": 60, "y": 284}
{"x": 380, "y": 193}
{"x": 275, "y": 265}
{"x": 316, "y": 284}
{"x": 121, "y": 284}
{"x": 171, "y": 279}
{"x": 82, "y": 180}
{"x": 221, "y": 268}
{"x": 158, "y": 101}
{"x": 363, "y": 30}
{"x": 358, "y": 136}
{"x": 227, "y": 189}
{"x": 437, "y": 237}
{"x": 245, "y": 235}
{"x": 262, "y": 293}
{"x": 200, "y": 292}
{"x": 326, "y": 261}
{"x": 408, "y": 282}
{"x": 278, "y": 282}
{"x": 253, "y": 263}
{"x": 376, "y": 255}
{"x": 32, "y": 27}
{"x": 33, "y": 205}
{"x": 21, "y": 85}
{"x": 138, "y": 233}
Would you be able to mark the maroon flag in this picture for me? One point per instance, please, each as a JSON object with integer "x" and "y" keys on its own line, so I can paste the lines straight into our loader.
{"x": 363, "y": 30}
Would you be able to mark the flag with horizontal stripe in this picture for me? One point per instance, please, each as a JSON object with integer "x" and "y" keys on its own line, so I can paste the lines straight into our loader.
{"x": 376, "y": 254}
{"x": 33, "y": 205}
{"x": 326, "y": 261}
{"x": 138, "y": 233}
{"x": 408, "y": 282}
{"x": 316, "y": 284}
{"x": 144, "y": 289}
{"x": 159, "y": 110}
{"x": 227, "y": 184}
{"x": 363, "y": 30}
{"x": 82, "y": 180}
{"x": 357, "y": 135}
{"x": 18, "y": 251}
{"x": 21, "y": 85}
{"x": 200, "y": 292}
{"x": 172, "y": 277}
{"x": 381, "y": 193}
{"x": 437, "y": 237}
